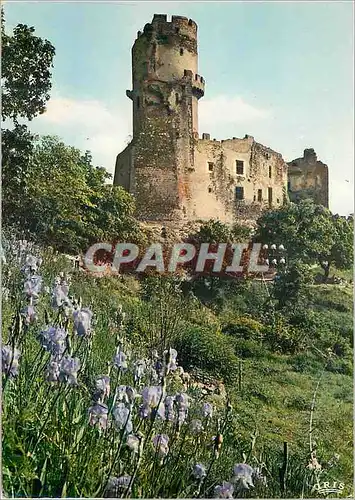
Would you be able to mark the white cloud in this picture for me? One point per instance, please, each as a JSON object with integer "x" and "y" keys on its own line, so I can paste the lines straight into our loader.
{"x": 95, "y": 126}
{"x": 89, "y": 125}
{"x": 228, "y": 110}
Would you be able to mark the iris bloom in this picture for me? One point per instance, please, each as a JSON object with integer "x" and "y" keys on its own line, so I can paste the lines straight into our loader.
{"x": 53, "y": 371}
{"x": 207, "y": 410}
{"x": 122, "y": 417}
{"x": 69, "y": 368}
{"x": 98, "y": 414}
{"x": 120, "y": 360}
{"x": 32, "y": 287}
{"x": 171, "y": 363}
{"x": 53, "y": 340}
{"x": 133, "y": 443}
{"x": 60, "y": 294}
{"x": 199, "y": 471}
{"x": 243, "y": 475}
{"x": 82, "y": 321}
{"x": 29, "y": 313}
{"x": 10, "y": 360}
{"x": 160, "y": 442}
{"x": 103, "y": 385}
{"x": 138, "y": 370}
{"x": 116, "y": 485}
{"x": 225, "y": 490}
{"x": 32, "y": 264}
{"x": 152, "y": 395}
{"x": 125, "y": 394}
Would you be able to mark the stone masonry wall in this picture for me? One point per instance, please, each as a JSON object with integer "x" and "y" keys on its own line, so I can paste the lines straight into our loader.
{"x": 308, "y": 178}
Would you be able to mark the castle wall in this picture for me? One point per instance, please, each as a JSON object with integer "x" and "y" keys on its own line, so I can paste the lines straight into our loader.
{"x": 123, "y": 168}
{"x": 174, "y": 175}
{"x": 214, "y": 180}
{"x": 308, "y": 178}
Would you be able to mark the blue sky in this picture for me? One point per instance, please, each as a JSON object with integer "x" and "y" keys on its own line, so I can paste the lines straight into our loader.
{"x": 282, "y": 72}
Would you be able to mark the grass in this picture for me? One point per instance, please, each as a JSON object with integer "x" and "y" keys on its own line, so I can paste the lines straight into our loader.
{"x": 50, "y": 448}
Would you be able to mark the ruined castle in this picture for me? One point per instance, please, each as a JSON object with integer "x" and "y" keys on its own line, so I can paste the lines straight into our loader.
{"x": 178, "y": 176}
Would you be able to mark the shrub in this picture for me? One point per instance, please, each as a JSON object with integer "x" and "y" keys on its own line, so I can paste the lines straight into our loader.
{"x": 244, "y": 328}
{"x": 249, "y": 349}
{"x": 208, "y": 350}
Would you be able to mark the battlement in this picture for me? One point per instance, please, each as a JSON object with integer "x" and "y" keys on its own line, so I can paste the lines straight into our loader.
{"x": 246, "y": 138}
{"x": 161, "y": 27}
{"x": 197, "y": 82}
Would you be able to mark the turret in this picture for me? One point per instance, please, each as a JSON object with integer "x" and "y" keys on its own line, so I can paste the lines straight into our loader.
{"x": 165, "y": 54}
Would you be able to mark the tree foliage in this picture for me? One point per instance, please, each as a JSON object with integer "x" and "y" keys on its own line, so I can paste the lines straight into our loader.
{"x": 25, "y": 72}
{"x": 310, "y": 233}
{"x": 68, "y": 203}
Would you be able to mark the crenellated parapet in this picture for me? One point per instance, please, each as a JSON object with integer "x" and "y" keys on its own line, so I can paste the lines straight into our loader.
{"x": 197, "y": 83}
{"x": 179, "y": 31}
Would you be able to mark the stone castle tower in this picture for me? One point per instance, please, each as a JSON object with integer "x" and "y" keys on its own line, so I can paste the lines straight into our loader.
{"x": 174, "y": 174}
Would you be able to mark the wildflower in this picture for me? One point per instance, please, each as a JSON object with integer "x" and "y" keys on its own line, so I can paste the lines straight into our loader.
{"x": 98, "y": 414}
{"x": 117, "y": 485}
{"x": 10, "y": 360}
{"x": 29, "y": 314}
{"x": 32, "y": 264}
{"x": 32, "y": 287}
{"x": 160, "y": 442}
{"x": 53, "y": 371}
{"x": 122, "y": 416}
{"x": 171, "y": 355}
{"x": 243, "y": 475}
{"x": 69, "y": 368}
{"x": 82, "y": 321}
{"x": 54, "y": 340}
{"x": 103, "y": 385}
{"x": 224, "y": 491}
{"x": 133, "y": 443}
{"x": 259, "y": 477}
{"x": 152, "y": 395}
{"x": 60, "y": 293}
{"x": 313, "y": 463}
{"x": 196, "y": 426}
{"x": 138, "y": 370}
{"x": 125, "y": 394}
{"x": 207, "y": 410}
{"x": 182, "y": 403}
{"x": 169, "y": 412}
{"x": 120, "y": 360}
{"x": 199, "y": 471}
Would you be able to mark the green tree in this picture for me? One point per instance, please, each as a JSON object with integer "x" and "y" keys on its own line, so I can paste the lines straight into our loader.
{"x": 26, "y": 82}
{"x": 341, "y": 252}
{"x": 25, "y": 72}
{"x": 17, "y": 161}
{"x": 291, "y": 286}
{"x": 68, "y": 203}
{"x": 310, "y": 233}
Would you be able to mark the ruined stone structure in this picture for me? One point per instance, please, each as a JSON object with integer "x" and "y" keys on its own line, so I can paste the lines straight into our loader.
{"x": 308, "y": 178}
{"x": 173, "y": 173}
